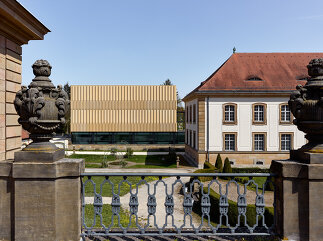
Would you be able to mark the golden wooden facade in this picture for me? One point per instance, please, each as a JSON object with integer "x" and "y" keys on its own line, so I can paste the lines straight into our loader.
{"x": 123, "y": 108}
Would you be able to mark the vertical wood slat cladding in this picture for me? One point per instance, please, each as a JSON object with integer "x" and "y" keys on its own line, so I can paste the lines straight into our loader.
{"x": 116, "y": 108}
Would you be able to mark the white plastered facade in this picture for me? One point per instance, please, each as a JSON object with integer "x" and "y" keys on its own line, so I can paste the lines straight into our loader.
{"x": 244, "y": 128}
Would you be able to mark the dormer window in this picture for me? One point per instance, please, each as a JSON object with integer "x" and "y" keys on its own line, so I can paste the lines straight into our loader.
{"x": 254, "y": 78}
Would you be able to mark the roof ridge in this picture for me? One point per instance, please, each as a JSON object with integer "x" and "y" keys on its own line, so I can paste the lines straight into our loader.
{"x": 278, "y": 70}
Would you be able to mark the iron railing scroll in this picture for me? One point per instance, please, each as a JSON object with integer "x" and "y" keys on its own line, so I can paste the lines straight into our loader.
{"x": 137, "y": 204}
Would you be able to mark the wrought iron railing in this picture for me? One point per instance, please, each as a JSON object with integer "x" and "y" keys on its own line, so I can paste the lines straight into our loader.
{"x": 177, "y": 204}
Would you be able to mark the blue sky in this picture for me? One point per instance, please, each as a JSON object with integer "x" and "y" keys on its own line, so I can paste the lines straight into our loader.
{"x": 108, "y": 42}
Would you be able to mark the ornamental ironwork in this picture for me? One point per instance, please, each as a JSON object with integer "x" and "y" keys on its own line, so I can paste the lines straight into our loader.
{"x": 225, "y": 207}
{"x": 42, "y": 106}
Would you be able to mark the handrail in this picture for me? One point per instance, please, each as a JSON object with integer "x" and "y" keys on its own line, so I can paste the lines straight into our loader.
{"x": 179, "y": 174}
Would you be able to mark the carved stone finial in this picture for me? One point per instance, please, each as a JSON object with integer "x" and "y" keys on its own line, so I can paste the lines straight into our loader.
{"x": 306, "y": 104}
{"x": 41, "y": 107}
{"x": 42, "y": 70}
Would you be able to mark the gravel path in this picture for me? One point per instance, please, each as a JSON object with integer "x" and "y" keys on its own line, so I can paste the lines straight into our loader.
{"x": 160, "y": 200}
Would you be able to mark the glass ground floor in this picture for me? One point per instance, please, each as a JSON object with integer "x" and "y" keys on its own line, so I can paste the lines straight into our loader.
{"x": 128, "y": 137}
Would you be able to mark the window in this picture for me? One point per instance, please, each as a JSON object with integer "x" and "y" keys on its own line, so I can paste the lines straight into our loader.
{"x": 285, "y": 114}
{"x": 230, "y": 142}
{"x": 286, "y": 141}
{"x": 186, "y": 137}
{"x": 186, "y": 114}
{"x": 190, "y": 138}
{"x": 194, "y": 113}
{"x": 258, "y": 161}
{"x": 190, "y": 114}
{"x": 259, "y": 141}
{"x": 259, "y": 113}
{"x": 194, "y": 141}
{"x": 229, "y": 114}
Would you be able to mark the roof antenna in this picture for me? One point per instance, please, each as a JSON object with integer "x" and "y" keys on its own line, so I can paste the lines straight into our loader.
{"x": 234, "y": 49}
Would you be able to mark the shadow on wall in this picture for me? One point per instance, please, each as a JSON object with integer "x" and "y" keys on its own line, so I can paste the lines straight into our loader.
{"x": 165, "y": 160}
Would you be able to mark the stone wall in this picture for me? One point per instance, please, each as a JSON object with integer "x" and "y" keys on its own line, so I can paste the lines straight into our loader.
{"x": 239, "y": 158}
{"x": 10, "y": 81}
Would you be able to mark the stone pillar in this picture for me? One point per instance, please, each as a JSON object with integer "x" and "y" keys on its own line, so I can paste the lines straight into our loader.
{"x": 6, "y": 198}
{"x": 299, "y": 197}
{"x": 299, "y": 184}
{"x": 47, "y": 196}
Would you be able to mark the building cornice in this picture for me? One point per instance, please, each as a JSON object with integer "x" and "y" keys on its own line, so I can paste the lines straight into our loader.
{"x": 19, "y": 25}
{"x": 237, "y": 93}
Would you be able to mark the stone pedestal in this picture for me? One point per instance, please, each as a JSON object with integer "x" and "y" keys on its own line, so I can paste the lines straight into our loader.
{"x": 47, "y": 197}
{"x": 6, "y": 197}
{"x": 299, "y": 197}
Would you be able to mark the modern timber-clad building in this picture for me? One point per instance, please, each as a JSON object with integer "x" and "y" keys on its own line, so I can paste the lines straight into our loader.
{"x": 241, "y": 111}
{"x": 134, "y": 114}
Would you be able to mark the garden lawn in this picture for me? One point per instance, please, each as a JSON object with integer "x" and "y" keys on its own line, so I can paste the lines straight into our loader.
{"x": 92, "y": 158}
{"x": 143, "y": 161}
{"x": 107, "y": 187}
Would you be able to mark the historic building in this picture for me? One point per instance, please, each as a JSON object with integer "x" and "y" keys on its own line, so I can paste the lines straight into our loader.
{"x": 17, "y": 27}
{"x": 241, "y": 111}
{"x": 124, "y": 114}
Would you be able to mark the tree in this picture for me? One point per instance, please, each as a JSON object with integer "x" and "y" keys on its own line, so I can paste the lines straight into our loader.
{"x": 67, "y": 126}
{"x": 67, "y": 89}
{"x": 180, "y": 108}
{"x": 218, "y": 163}
{"x": 179, "y": 100}
{"x": 167, "y": 82}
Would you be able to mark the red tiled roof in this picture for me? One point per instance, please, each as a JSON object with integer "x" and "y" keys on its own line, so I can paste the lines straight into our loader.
{"x": 278, "y": 71}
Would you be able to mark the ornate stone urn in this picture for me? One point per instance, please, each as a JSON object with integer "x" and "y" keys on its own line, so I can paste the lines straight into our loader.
{"x": 306, "y": 104}
{"x": 41, "y": 108}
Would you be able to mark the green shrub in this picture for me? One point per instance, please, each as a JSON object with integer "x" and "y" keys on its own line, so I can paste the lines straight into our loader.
{"x": 129, "y": 153}
{"x": 241, "y": 180}
{"x": 172, "y": 156}
{"x": 249, "y": 170}
{"x": 123, "y": 163}
{"x": 218, "y": 164}
{"x": 227, "y": 166}
{"x": 270, "y": 184}
{"x": 233, "y": 211}
{"x": 113, "y": 151}
{"x": 208, "y": 165}
{"x": 204, "y": 179}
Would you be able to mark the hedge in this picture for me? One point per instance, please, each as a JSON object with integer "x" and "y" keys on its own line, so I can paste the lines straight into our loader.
{"x": 204, "y": 179}
{"x": 250, "y": 170}
{"x": 233, "y": 211}
{"x": 208, "y": 165}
